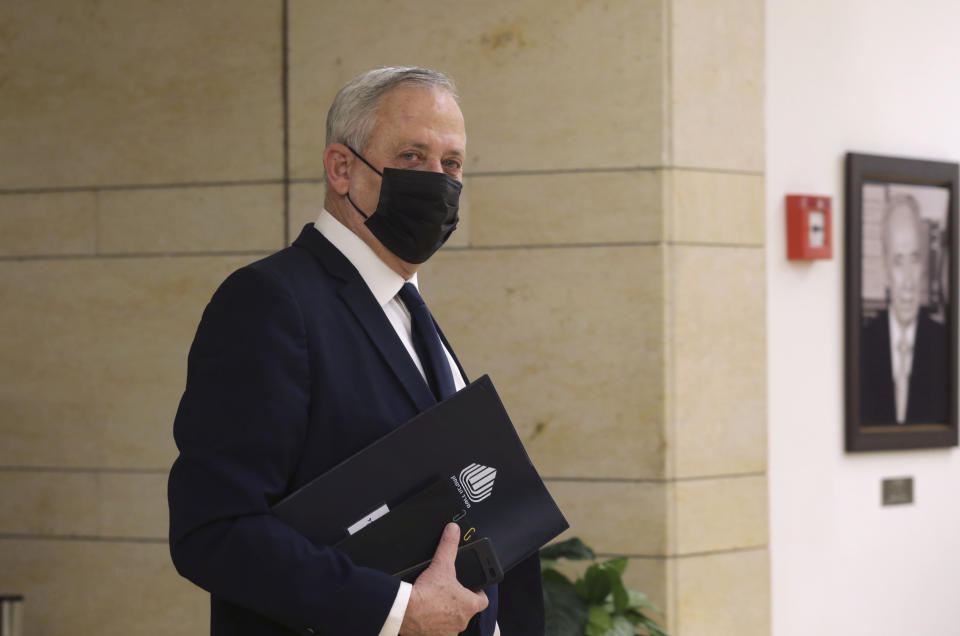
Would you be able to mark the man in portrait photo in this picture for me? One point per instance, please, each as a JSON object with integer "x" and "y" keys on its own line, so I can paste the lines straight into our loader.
{"x": 311, "y": 354}
{"x": 904, "y": 361}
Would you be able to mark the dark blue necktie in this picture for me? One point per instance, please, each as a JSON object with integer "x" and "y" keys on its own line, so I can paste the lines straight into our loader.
{"x": 426, "y": 342}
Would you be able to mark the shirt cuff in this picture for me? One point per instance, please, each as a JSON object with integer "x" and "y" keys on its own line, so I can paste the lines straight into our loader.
{"x": 399, "y": 608}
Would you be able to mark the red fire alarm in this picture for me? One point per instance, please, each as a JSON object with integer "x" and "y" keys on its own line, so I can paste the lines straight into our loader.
{"x": 808, "y": 227}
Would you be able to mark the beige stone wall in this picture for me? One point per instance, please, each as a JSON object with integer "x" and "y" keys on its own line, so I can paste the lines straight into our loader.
{"x": 608, "y": 274}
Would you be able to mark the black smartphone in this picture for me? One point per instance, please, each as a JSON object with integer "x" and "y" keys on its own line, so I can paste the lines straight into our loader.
{"x": 477, "y": 566}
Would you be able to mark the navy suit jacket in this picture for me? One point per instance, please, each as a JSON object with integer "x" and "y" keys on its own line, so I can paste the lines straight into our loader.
{"x": 927, "y": 397}
{"x": 294, "y": 368}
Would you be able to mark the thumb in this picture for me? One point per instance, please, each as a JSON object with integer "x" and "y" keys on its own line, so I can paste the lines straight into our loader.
{"x": 446, "y": 554}
{"x": 482, "y": 601}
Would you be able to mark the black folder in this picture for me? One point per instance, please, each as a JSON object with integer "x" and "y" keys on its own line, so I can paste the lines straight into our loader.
{"x": 460, "y": 460}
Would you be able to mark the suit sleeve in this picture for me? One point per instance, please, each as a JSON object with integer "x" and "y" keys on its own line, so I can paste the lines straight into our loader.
{"x": 241, "y": 422}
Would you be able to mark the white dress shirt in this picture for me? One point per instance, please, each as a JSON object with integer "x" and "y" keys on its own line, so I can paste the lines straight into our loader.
{"x": 897, "y": 331}
{"x": 384, "y": 283}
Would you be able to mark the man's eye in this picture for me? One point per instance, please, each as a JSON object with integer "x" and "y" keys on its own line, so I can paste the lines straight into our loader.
{"x": 409, "y": 156}
{"x": 453, "y": 164}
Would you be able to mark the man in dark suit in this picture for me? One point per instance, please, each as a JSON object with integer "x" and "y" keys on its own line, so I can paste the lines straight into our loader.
{"x": 904, "y": 358}
{"x": 309, "y": 355}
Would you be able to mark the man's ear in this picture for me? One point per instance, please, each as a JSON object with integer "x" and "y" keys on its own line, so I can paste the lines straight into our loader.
{"x": 336, "y": 165}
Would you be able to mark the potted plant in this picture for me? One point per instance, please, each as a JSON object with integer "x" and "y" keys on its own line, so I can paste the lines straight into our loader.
{"x": 596, "y": 603}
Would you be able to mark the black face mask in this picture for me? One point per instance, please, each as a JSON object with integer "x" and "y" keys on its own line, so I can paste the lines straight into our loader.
{"x": 417, "y": 212}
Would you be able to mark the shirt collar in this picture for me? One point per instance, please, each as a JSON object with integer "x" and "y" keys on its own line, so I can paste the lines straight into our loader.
{"x": 383, "y": 282}
{"x": 897, "y": 331}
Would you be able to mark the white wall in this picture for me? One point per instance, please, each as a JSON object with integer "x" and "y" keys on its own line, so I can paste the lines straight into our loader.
{"x": 881, "y": 77}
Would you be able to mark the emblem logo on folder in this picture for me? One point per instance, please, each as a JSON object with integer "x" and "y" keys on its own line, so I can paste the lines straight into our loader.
{"x": 477, "y": 482}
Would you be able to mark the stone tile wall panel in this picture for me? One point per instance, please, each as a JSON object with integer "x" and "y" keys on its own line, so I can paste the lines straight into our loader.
{"x": 572, "y": 339}
{"x": 93, "y": 356}
{"x": 133, "y": 91}
{"x": 101, "y": 587}
{"x": 60, "y": 223}
{"x": 545, "y": 84}
{"x": 717, "y": 356}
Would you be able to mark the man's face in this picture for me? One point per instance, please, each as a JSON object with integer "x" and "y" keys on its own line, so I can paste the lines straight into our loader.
{"x": 416, "y": 129}
{"x": 904, "y": 260}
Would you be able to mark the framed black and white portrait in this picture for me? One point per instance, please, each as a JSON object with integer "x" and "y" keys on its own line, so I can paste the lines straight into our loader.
{"x": 901, "y": 303}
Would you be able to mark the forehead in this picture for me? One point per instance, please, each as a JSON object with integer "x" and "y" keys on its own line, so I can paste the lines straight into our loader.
{"x": 903, "y": 228}
{"x": 421, "y": 115}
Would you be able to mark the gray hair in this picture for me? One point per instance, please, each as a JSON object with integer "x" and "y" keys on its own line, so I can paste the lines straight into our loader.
{"x": 352, "y": 114}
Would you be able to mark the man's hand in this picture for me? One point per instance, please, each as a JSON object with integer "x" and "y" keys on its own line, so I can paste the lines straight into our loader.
{"x": 439, "y": 605}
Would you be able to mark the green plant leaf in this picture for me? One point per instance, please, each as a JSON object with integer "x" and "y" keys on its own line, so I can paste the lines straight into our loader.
{"x": 573, "y": 549}
{"x": 620, "y": 565}
{"x": 620, "y": 627}
{"x": 649, "y": 627}
{"x": 617, "y": 601}
{"x": 598, "y": 621}
{"x": 565, "y": 613}
{"x": 580, "y": 586}
{"x": 639, "y": 600}
{"x": 597, "y": 584}
{"x": 621, "y": 598}
{"x": 634, "y": 617}
{"x": 596, "y": 603}
{"x": 556, "y": 576}
{"x": 618, "y": 592}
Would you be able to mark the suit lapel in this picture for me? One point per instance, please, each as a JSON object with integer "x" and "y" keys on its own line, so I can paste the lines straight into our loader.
{"x": 371, "y": 317}
{"x": 925, "y": 374}
{"x": 358, "y": 298}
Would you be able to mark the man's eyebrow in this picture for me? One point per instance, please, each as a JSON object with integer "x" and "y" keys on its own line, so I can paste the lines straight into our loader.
{"x": 419, "y": 145}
